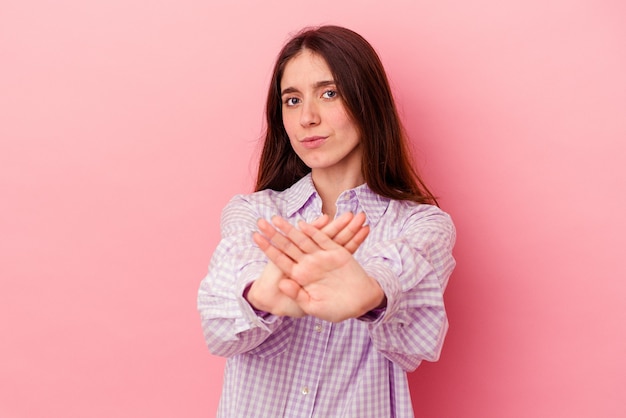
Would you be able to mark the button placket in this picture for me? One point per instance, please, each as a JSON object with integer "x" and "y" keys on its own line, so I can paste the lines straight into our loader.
{"x": 347, "y": 203}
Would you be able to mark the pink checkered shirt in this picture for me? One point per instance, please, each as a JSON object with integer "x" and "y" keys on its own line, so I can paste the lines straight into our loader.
{"x": 286, "y": 367}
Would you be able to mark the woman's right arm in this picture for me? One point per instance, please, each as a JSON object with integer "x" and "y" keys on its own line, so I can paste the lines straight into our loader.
{"x": 230, "y": 324}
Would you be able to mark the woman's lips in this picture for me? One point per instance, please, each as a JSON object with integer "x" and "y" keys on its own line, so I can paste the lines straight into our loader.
{"x": 311, "y": 142}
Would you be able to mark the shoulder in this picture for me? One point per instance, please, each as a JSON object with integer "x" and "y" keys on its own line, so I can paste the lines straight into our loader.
{"x": 242, "y": 212}
{"x": 417, "y": 216}
{"x": 257, "y": 204}
{"x": 404, "y": 208}
{"x": 260, "y": 198}
{"x": 267, "y": 203}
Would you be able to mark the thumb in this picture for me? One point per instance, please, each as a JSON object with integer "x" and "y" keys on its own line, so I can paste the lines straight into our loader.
{"x": 296, "y": 292}
{"x": 290, "y": 288}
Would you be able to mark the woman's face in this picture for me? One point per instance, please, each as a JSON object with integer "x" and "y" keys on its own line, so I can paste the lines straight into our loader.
{"x": 320, "y": 129}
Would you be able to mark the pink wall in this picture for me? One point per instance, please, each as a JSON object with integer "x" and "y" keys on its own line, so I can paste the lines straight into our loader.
{"x": 126, "y": 125}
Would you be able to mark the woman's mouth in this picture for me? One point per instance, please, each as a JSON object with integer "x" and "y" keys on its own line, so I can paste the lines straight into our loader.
{"x": 311, "y": 142}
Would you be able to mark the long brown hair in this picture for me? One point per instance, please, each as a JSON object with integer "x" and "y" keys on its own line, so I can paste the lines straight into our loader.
{"x": 364, "y": 89}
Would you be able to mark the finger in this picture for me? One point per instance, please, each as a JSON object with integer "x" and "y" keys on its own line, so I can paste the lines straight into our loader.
{"x": 279, "y": 258}
{"x": 321, "y": 222}
{"x": 357, "y": 240}
{"x": 334, "y": 227}
{"x": 261, "y": 241}
{"x": 278, "y": 240}
{"x": 350, "y": 230}
{"x": 320, "y": 238}
{"x": 295, "y": 236}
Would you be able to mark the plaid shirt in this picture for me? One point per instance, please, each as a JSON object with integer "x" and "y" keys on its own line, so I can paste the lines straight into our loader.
{"x": 306, "y": 367}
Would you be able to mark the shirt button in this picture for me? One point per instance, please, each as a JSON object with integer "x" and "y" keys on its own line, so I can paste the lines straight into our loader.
{"x": 305, "y": 390}
{"x": 318, "y": 327}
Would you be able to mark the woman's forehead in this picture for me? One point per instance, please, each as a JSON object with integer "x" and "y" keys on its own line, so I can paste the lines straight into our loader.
{"x": 306, "y": 68}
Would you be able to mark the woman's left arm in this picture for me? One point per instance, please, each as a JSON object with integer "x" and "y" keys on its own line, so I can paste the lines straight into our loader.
{"x": 413, "y": 270}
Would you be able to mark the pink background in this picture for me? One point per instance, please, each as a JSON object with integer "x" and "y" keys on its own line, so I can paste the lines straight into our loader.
{"x": 125, "y": 126}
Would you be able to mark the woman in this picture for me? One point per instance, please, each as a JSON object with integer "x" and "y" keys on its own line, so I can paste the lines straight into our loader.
{"x": 327, "y": 285}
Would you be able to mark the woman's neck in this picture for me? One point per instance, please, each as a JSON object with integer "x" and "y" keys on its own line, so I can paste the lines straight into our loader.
{"x": 330, "y": 185}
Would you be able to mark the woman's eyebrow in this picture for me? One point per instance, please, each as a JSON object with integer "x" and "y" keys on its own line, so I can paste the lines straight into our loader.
{"x": 324, "y": 83}
{"x": 289, "y": 90}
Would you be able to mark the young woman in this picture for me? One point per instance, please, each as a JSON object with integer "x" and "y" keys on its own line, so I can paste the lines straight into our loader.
{"x": 327, "y": 285}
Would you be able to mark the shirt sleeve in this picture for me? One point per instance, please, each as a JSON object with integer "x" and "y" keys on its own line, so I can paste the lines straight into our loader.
{"x": 230, "y": 325}
{"x": 413, "y": 270}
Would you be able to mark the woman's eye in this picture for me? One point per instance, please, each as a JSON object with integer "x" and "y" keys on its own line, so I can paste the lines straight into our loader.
{"x": 329, "y": 94}
{"x": 291, "y": 101}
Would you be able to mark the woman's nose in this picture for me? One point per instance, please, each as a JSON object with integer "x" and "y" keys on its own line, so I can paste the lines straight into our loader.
{"x": 310, "y": 114}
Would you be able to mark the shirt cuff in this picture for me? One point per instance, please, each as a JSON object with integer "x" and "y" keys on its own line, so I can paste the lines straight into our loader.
{"x": 391, "y": 288}
{"x": 248, "y": 275}
{"x": 260, "y": 314}
{"x": 375, "y": 315}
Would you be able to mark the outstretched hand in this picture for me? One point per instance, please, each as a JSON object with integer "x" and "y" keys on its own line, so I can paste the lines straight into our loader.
{"x": 319, "y": 272}
{"x": 265, "y": 294}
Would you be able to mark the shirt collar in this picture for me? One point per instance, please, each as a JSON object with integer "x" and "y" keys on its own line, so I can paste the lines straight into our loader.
{"x": 299, "y": 194}
{"x": 371, "y": 203}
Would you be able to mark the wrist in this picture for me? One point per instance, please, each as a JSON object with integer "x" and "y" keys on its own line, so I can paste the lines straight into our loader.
{"x": 249, "y": 296}
{"x": 383, "y": 302}
{"x": 376, "y": 312}
{"x": 246, "y": 295}
{"x": 378, "y": 300}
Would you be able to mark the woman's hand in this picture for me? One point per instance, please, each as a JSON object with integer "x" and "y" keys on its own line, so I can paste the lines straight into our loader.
{"x": 320, "y": 273}
{"x": 265, "y": 293}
